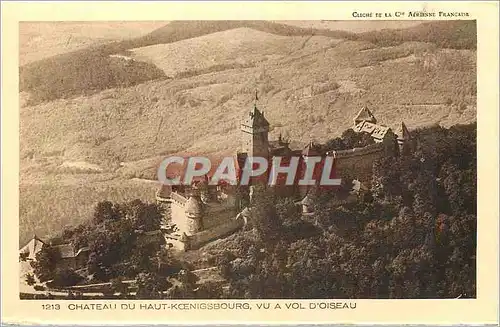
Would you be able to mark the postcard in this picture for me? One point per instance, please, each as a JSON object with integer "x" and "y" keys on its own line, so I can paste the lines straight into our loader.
{"x": 250, "y": 163}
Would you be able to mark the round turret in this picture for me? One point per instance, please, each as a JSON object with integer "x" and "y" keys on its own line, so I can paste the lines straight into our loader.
{"x": 311, "y": 149}
{"x": 194, "y": 206}
{"x": 194, "y": 215}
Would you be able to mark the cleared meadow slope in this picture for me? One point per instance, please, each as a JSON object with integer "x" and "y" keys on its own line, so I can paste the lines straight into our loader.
{"x": 91, "y": 70}
{"x": 39, "y": 40}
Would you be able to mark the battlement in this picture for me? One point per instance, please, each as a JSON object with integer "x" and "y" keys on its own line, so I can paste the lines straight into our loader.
{"x": 204, "y": 214}
{"x": 372, "y": 148}
{"x": 178, "y": 198}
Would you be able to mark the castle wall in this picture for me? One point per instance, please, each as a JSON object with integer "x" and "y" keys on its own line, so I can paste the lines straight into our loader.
{"x": 198, "y": 239}
{"x": 214, "y": 214}
{"x": 178, "y": 212}
{"x": 217, "y": 214}
{"x": 175, "y": 242}
{"x": 193, "y": 225}
{"x": 356, "y": 152}
{"x": 358, "y": 162}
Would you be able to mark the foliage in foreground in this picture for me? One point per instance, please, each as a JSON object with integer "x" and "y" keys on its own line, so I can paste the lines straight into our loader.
{"x": 415, "y": 238}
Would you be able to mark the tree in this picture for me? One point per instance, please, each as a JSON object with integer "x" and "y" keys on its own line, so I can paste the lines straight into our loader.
{"x": 151, "y": 286}
{"x": 265, "y": 220}
{"x": 349, "y": 139}
{"x": 30, "y": 279}
{"x": 144, "y": 216}
{"x": 287, "y": 211}
{"x": 106, "y": 211}
{"x": 46, "y": 262}
{"x": 108, "y": 246}
{"x": 118, "y": 286}
{"x": 209, "y": 290}
{"x": 39, "y": 288}
{"x": 66, "y": 277}
{"x": 23, "y": 256}
{"x": 334, "y": 144}
{"x": 81, "y": 235}
{"x": 356, "y": 140}
{"x": 144, "y": 256}
{"x": 187, "y": 277}
{"x": 186, "y": 288}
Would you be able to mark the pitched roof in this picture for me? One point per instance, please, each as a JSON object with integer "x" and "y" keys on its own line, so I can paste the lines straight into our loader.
{"x": 164, "y": 191}
{"x": 32, "y": 247}
{"x": 81, "y": 250}
{"x": 358, "y": 126}
{"x": 280, "y": 142}
{"x": 175, "y": 170}
{"x": 365, "y": 115}
{"x": 279, "y": 147}
{"x": 311, "y": 149}
{"x": 402, "y": 132}
{"x": 68, "y": 251}
{"x": 307, "y": 200}
{"x": 255, "y": 118}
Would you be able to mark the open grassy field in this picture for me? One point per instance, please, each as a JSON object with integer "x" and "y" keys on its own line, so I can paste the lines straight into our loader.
{"x": 93, "y": 69}
{"x": 39, "y": 40}
{"x": 187, "y": 92}
{"x": 306, "y": 94}
{"x": 50, "y": 204}
{"x": 241, "y": 47}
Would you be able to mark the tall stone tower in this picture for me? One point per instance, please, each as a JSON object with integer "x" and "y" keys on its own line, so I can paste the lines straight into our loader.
{"x": 255, "y": 130}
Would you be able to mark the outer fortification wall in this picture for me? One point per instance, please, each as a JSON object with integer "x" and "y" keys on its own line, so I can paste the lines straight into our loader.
{"x": 205, "y": 236}
{"x": 178, "y": 211}
{"x": 358, "y": 162}
{"x": 217, "y": 214}
{"x": 196, "y": 240}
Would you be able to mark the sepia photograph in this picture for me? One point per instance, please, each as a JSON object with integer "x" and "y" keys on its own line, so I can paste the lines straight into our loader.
{"x": 248, "y": 160}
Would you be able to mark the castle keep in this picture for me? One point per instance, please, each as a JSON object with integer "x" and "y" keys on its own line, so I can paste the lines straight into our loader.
{"x": 358, "y": 162}
{"x": 198, "y": 213}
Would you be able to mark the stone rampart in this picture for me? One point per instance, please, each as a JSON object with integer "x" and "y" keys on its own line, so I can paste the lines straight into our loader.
{"x": 198, "y": 239}
{"x": 357, "y": 163}
{"x": 372, "y": 148}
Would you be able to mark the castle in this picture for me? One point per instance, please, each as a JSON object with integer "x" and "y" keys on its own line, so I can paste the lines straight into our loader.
{"x": 198, "y": 213}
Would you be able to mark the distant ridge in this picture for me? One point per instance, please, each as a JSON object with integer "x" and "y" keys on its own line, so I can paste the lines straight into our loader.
{"x": 91, "y": 70}
{"x": 446, "y": 34}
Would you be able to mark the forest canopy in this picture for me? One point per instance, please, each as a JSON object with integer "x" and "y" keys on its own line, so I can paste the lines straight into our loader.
{"x": 413, "y": 237}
